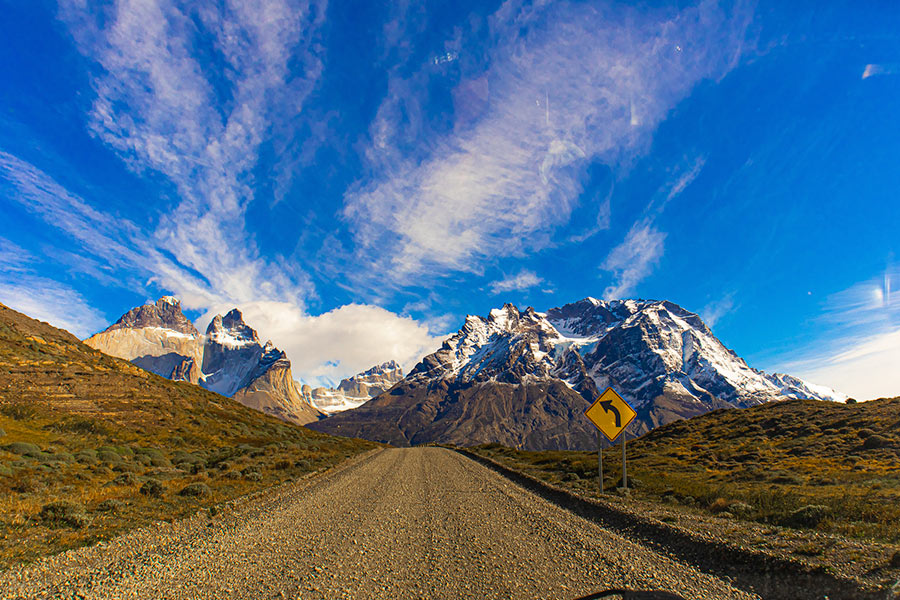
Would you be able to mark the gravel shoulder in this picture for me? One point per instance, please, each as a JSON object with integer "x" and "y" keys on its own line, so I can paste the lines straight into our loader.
{"x": 401, "y": 523}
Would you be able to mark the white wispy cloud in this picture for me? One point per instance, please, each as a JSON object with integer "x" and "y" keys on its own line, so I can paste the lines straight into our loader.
{"x": 524, "y": 280}
{"x": 46, "y": 300}
{"x": 874, "y": 69}
{"x": 568, "y": 84}
{"x": 322, "y": 348}
{"x": 861, "y": 357}
{"x": 633, "y": 259}
{"x": 713, "y": 312}
{"x": 165, "y": 110}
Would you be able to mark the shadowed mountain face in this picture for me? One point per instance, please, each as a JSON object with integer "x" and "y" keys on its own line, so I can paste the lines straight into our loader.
{"x": 229, "y": 359}
{"x": 524, "y": 379}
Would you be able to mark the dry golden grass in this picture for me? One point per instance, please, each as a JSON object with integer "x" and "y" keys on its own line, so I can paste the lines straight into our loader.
{"x": 803, "y": 464}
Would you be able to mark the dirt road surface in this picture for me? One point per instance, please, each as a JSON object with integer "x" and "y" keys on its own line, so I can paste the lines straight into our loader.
{"x": 403, "y": 523}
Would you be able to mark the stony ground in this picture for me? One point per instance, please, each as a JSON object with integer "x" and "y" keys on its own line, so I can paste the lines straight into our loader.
{"x": 401, "y": 523}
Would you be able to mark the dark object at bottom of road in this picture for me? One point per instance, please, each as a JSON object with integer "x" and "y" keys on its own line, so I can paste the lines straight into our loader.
{"x": 633, "y": 595}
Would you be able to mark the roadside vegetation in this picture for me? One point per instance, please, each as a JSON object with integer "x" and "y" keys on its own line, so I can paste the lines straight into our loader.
{"x": 91, "y": 445}
{"x": 804, "y": 464}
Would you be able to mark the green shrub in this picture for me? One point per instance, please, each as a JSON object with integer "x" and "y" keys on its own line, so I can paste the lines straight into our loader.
{"x": 18, "y": 411}
{"x": 252, "y": 474}
{"x": 63, "y": 514}
{"x": 186, "y": 458}
{"x": 195, "y": 490}
{"x": 23, "y": 448}
{"x": 806, "y": 516}
{"x": 80, "y": 425}
{"x": 2, "y": 432}
{"x": 152, "y": 488}
{"x": 109, "y": 456}
{"x": 125, "y": 479}
{"x": 88, "y": 457}
{"x": 876, "y": 441}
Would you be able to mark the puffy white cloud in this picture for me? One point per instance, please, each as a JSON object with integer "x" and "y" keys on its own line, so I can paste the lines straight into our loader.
{"x": 326, "y": 348}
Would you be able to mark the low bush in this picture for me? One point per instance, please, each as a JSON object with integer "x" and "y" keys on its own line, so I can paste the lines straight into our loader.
{"x": 125, "y": 479}
{"x": 876, "y": 441}
{"x": 195, "y": 490}
{"x": 109, "y": 456}
{"x": 111, "y": 505}
{"x": 806, "y": 516}
{"x": 152, "y": 488}
{"x": 63, "y": 514}
{"x": 23, "y": 448}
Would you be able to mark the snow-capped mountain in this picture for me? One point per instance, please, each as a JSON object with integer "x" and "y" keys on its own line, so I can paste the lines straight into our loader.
{"x": 524, "y": 378}
{"x": 229, "y": 359}
{"x": 355, "y": 391}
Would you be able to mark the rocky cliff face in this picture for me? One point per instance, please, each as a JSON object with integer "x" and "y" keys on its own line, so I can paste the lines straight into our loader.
{"x": 523, "y": 378}
{"x": 229, "y": 359}
{"x": 158, "y": 338}
{"x": 270, "y": 388}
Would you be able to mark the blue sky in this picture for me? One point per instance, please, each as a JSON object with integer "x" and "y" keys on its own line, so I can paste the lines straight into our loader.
{"x": 359, "y": 176}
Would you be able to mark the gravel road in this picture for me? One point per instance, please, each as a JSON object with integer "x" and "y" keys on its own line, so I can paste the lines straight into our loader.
{"x": 402, "y": 523}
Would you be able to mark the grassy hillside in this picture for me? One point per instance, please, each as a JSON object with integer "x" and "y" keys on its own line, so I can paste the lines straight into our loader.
{"x": 804, "y": 464}
{"x": 91, "y": 445}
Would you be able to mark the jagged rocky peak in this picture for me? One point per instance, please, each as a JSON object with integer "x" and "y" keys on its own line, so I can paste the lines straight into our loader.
{"x": 165, "y": 313}
{"x": 231, "y": 330}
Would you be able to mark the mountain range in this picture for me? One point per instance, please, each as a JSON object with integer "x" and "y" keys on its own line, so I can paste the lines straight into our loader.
{"x": 231, "y": 360}
{"x": 524, "y": 378}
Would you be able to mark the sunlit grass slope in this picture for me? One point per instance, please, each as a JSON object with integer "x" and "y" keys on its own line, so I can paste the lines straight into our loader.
{"x": 91, "y": 445}
{"x": 801, "y": 463}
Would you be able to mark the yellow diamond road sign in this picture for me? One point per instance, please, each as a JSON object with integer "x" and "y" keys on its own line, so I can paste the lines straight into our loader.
{"x": 610, "y": 413}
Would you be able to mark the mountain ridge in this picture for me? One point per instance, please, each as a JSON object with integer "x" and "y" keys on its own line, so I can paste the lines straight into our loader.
{"x": 523, "y": 378}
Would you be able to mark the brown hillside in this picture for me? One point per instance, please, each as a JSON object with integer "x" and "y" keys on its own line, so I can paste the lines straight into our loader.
{"x": 93, "y": 431}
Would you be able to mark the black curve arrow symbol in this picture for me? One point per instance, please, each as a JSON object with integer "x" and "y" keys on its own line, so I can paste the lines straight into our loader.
{"x": 607, "y": 406}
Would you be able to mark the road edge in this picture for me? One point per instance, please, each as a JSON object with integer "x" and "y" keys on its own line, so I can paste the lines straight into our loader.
{"x": 748, "y": 569}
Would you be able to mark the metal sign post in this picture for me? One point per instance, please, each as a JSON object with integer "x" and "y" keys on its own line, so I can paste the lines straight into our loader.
{"x": 611, "y": 415}
{"x": 600, "y": 458}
